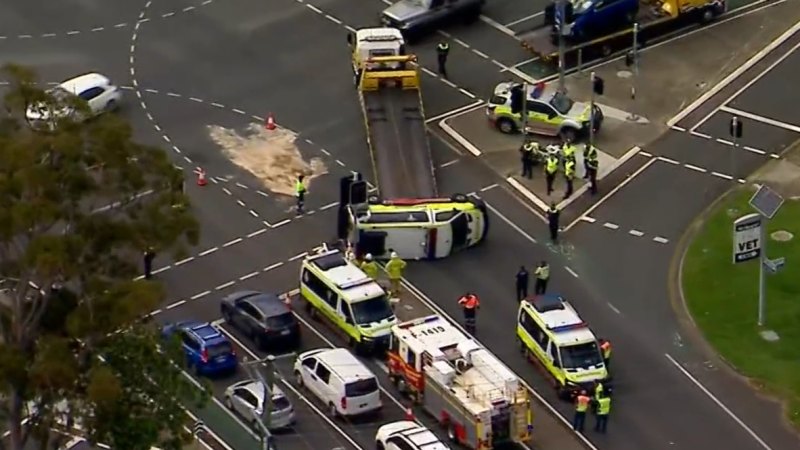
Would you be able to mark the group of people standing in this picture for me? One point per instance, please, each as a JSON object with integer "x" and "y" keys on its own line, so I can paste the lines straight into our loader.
{"x": 565, "y": 161}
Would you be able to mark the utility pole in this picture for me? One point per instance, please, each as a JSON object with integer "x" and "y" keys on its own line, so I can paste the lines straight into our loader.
{"x": 592, "y": 78}
{"x": 736, "y": 134}
{"x": 524, "y": 112}
{"x": 633, "y": 117}
{"x": 562, "y": 26}
{"x": 269, "y": 378}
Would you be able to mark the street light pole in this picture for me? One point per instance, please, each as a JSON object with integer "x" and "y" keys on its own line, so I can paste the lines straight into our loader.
{"x": 634, "y": 79}
{"x": 524, "y": 112}
{"x": 562, "y": 82}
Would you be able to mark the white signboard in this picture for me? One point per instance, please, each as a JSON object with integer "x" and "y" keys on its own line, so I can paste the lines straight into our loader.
{"x": 747, "y": 238}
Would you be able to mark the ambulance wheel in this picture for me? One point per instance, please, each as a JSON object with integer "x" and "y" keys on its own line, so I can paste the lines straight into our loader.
{"x": 451, "y": 433}
{"x": 313, "y": 313}
{"x": 707, "y": 16}
{"x": 459, "y": 198}
{"x": 332, "y": 411}
{"x": 400, "y": 383}
{"x": 506, "y": 126}
{"x": 374, "y": 200}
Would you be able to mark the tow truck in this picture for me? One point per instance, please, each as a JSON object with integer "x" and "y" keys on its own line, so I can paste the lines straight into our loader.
{"x": 596, "y": 28}
{"x": 407, "y": 215}
{"x": 479, "y": 401}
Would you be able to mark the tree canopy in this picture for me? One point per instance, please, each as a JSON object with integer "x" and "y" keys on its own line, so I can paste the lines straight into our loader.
{"x": 73, "y": 346}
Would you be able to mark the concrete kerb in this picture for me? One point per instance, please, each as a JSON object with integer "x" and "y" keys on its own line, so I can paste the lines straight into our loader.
{"x": 455, "y": 135}
{"x": 734, "y": 75}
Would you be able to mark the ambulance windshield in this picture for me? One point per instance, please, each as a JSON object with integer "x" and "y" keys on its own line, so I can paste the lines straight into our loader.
{"x": 581, "y": 356}
{"x": 370, "y": 311}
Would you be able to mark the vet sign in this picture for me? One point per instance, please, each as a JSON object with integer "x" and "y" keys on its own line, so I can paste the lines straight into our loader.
{"x": 747, "y": 238}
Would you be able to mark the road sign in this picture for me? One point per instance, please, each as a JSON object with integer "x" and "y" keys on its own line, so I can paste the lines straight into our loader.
{"x": 198, "y": 427}
{"x": 766, "y": 201}
{"x": 747, "y": 238}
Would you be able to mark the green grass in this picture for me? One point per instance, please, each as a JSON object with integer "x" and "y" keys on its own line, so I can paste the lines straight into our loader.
{"x": 723, "y": 299}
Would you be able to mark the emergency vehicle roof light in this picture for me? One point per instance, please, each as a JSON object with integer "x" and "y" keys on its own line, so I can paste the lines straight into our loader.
{"x": 380, "y": 38}
{"x": 414, "y": 201}
{"x": 354, "y": 283}
{"x": 420, "y": 321}
{"x": 572, "y": 326}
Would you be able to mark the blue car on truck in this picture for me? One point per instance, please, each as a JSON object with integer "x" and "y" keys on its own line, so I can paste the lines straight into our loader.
{"x": 207, "y": 350}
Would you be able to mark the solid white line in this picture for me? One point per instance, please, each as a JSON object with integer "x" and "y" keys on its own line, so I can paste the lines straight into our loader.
{"x": 572, "y": 272}
{"x": 611, "y": 226}
{"x": 527, "y": 193}
{"x": 208, "y": 252}
{"x": 699, "y": 134}
{"x": 453, "y": 112}
{"x": 612, "y": 192}
{"x": 762, "y": 119}
{"x": 736, "y": 73}
{"x": 510, "y": 223}
{"x": 718, "y": 402}
{"x": 456, "y": 136}
{"x": 677, "y": 128}
{"x": 524, "y": 19}
{"x": 498, "y": 27}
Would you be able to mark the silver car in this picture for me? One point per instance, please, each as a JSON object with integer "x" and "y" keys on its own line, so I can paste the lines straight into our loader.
{"x": 246, "y": 398}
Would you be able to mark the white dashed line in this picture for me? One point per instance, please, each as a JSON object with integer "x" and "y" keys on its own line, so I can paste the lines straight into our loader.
{"x": 314, "y": 8}
{"x": 200, "y": 295}
{"x": 636, "y": 233}
{"x": 225, "y": 285}
{"x": 175, "y": 305}
{"x": 661, "y": 240}
{"x": 209, "y": 251}
{"x": 611, "y": 226}
{"x": 281, "y": 223}
{"x": 722, "y": 175}
{"x": 232, "y": 242}
{"x": 588, "y": 219}
{"x": 695, "y": 168}
{"x": 256, "y": 233}
{"x": 241, "y": 203}
{"x": 249, "y": 275}
{"x": 754, "y": 150}
{"x": 172, "y": 94}
{"x": 218, "y": 105}
{"x": 262, "y": 193}
{"x": 700, "y": 135}
{"x": 724, "y": 141}
{"x": 195, "y": 99}
{"x": 613, "y": 308}
{"x": 329, "y": 206}
{"x": 183, "y": 261}
{"x": 253, "y": 213}
{"x": 72, "y": 33}
{"x": 572, "y": 272}
{"x": 271, "y": 267}
{"x": 668, "y": 160}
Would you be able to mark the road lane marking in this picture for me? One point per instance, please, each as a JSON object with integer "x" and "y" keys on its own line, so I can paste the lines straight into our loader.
{"x": 449, "y": 163}
{"x": 611, "y": 226}
{"x": 298, "y": 256}
{"x": 613, "y": 308}
{"x": 762, "y": 119}
{"x": 588, "y": 219}
{"x": 183, "y": 261}
{"x": 248, "y": 276}
{"x": 695, "y": 168}
{"x": 524, "y": 19}
{"x": 324, "y": 416}
{"x": 572, "y": 272}
{"x": 273, "y": 266}
{"x": 789, "y": 33}
{"x": 636, "y": 233}
{"x": 661, "y": 240}
{"x": 175, "y": 305}
{"x": 256, "y": 233}
{"x": 717, "y": 401}
{"x": 200, "y": 295}
{"x": 225, "y": 285}
{"x": 232, "y": 242}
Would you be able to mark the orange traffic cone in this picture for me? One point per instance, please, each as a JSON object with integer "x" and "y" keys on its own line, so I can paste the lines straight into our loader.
{"x": 270, "y": 123}
{"x": 201, "y": 177}
{"x": 409, "y": 414}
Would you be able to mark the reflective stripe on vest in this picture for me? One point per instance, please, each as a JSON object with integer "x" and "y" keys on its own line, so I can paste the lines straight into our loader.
{"x": 606, "y": 348}
{"x": 591, "y": 152}
{"x": 444, "y": 46}
{"x": 569, "y": 169}
{"x": 299, "y": 187}
{"x": 582, "y": 403}
{"x": 603, "y": 406}
{"x": 552, "y": 165}
{"x": 569, "y": 151}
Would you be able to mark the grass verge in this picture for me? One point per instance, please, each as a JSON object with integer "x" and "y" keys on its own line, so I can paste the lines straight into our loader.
{"x": 723, "y": 299}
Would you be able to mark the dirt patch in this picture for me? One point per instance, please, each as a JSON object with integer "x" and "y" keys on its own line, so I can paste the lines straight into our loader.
{"x": 272, "y": 156}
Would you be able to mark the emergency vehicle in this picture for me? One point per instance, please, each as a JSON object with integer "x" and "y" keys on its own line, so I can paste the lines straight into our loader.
{"x": 338, "y": 290}
{"x": 550, "y": 332}
{"x": 479, "y": 400}
{"x": 417, "y": 228}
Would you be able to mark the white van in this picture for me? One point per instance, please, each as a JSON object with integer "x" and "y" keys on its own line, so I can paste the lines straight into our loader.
{"x": 338, "y": 379}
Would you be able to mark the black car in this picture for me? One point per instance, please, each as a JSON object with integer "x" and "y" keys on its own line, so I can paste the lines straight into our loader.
{"x": 262, "y": 317}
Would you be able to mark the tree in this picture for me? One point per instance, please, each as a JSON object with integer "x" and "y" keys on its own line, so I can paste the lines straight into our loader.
{"x": 73, "y": 346}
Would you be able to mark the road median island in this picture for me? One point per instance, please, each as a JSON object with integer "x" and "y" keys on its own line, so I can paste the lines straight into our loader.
{"x": 722, "y": 297}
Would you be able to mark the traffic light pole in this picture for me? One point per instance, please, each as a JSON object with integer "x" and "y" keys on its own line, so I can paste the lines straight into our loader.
{"x": 592, "y": 78}
{"x": 524, "y": 112}
{"x": 634, "y": 79}
{"x": 562, "y": 82}
{"x": 268, "y": 380}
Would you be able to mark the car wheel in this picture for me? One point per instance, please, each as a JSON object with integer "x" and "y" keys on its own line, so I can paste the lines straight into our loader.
{"x": 313, "y": 313}
{"x": 568, "y": 134}
{"x": 379, "y": 445}
{"x": 506, "y": 126}
{"x": 332, "y": 410}
{"x": 229, "y": 403}
{"x": 260, "y": 342}
{"x": 707, "y": 16}
{"x": 111, "y": 105}
{"x": 401, "y": 385}
{"x": 451, "y": 433}
{"x": 226, "y": 314}
{"x": 298, "y": 378}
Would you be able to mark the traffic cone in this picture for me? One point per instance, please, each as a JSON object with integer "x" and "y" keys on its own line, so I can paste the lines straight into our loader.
{"x": 201, "y": 177}
{"x": 409, "y": 416}
{"x": 270, "y": 123}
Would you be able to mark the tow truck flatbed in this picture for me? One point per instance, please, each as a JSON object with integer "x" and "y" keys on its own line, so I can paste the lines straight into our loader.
{"x": 401, "y": 155}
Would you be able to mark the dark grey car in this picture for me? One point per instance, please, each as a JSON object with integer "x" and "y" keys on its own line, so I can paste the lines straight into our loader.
{"x": 262, "y": 317}
{"x": 416, "y": 18}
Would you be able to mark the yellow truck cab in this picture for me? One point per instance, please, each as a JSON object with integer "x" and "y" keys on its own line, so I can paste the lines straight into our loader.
{"x": 417, "y": 228}
{"x": 550, "y": 112}
{"x": 369, "y": 43}
{"x": 551, "y": 333}
{"x": 335, "y": 288}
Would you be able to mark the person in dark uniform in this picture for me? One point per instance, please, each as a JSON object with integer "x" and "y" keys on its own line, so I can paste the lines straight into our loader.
{"x": 522, "y": 283}
{"x": 441, "y": 57}
{"x": 552, "y": 221}
{"x": 527, "y": 153}
{"x": 149, "y": 256}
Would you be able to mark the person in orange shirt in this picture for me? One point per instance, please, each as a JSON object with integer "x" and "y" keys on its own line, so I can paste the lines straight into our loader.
{"x": 582, "y": 403}
{"x": 470, "y": 303}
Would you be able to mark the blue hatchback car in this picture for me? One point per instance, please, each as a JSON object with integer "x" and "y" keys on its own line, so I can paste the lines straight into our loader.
{"x": 208, "y": 351}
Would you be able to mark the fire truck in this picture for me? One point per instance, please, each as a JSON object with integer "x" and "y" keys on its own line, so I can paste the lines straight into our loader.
{"x": 473, "y": 395}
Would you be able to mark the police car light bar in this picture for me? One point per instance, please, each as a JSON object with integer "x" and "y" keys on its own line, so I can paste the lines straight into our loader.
{"x": 420, "y": 321}
{"x": 572, "y": 326}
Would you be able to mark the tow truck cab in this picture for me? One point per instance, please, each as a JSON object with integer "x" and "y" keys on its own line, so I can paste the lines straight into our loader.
{"x": 368, "y": 43}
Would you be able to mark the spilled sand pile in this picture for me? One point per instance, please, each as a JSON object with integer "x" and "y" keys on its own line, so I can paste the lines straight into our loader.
{"x": 271, "y": 156}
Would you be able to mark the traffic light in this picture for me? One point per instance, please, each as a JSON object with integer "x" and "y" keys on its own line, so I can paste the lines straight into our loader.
{"x": 736, "y": 128}
{"x": 598, "y": 85}
{"x": 358, "y": 192}
{"x": 517, "y": 97}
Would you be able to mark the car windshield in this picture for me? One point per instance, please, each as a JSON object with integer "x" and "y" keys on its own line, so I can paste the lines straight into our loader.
{"x": 280, "y": 321}
{"x": 280, "y": 403}
{"x": 372, "y": 310}
{"x": 561, "y": 103}
{"x": 581, "y": 356}
{"x": 221, "y": 349}
{"x": 581, "y": 6}
{"x": 360, "y": 387}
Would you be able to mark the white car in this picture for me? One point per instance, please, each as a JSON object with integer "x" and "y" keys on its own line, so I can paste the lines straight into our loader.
{"x": 246, "y": 398}
{"x": 95, "y": 89}
{"x": 407, "y": 435}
